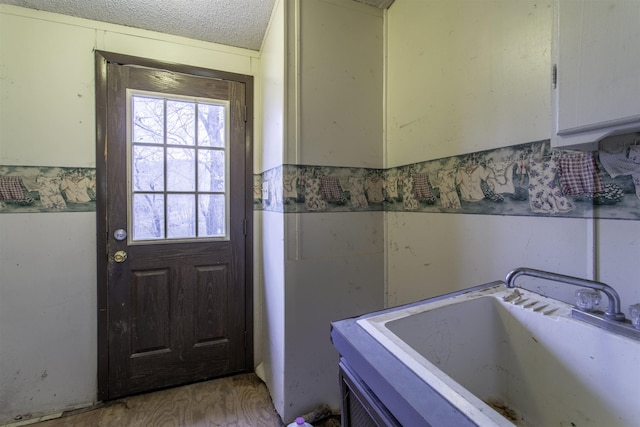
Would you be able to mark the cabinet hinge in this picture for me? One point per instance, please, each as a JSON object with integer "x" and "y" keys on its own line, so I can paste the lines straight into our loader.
{"x": 244, "y": 226}
{"x": 245, "y": 113}
{"x": 554, "y": 76}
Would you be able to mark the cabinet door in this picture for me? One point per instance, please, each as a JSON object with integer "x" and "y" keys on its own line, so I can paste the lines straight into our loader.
{"x": 598, "y": 69}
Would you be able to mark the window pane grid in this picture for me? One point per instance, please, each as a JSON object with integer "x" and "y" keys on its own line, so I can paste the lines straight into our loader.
{"x": 190, "y": 191}
{"x": 164, "y": 142}
{"x": 197, "y": 205}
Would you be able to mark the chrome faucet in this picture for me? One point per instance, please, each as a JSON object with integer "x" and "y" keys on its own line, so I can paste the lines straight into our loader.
{"x": 612, "y": 313}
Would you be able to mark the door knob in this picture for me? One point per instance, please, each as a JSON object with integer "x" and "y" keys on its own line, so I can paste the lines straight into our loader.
{"x": 120, "y": 256}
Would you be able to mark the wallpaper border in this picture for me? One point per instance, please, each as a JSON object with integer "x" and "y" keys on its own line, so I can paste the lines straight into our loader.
{"x": 519, "y": 180}
{"x": 29, "y": 189}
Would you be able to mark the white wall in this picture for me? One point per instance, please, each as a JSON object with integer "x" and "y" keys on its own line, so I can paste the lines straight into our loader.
{"x": 273, "y": 62}
{"x": 271, "y": 227}
{"x": 273, "y": 319}
{"x": 432, "y": 254}
{"x": 334, "y": 270}
{"x": 617, "y": 253}
{"x": 47, "y": 313}
{"x": 466, "y": 76}
{"x": 333, "y": 261}
{"x": 48, "y": 282}
{"x": 340, "y": 66}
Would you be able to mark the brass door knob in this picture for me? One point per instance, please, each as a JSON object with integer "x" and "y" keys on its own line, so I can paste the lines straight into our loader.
{"x": 120, "y": 256}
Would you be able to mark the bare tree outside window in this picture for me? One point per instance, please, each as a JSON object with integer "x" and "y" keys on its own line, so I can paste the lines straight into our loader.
{"x": 178, "y": 168}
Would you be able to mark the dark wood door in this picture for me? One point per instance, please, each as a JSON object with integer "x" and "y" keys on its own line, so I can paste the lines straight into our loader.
{"x": 175, "y": 230}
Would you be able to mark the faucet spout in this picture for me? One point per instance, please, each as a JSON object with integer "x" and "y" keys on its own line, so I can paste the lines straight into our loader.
{"x": 612, "y": 313}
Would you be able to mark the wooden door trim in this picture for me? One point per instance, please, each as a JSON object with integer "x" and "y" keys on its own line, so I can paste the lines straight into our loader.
{"x": 102, "y": 58}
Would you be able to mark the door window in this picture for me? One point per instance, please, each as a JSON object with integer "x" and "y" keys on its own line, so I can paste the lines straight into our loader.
{"x": 177, "y": 170}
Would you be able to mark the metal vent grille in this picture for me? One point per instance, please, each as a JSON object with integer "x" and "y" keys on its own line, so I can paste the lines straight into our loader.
{"x": 358, "y": 415}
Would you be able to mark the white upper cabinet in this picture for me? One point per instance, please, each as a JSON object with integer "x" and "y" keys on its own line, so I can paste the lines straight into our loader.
{"x": 597, "y": 55}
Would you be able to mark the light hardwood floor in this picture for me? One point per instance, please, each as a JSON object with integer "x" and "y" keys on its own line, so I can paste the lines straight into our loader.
{"x": 238, "y": 401}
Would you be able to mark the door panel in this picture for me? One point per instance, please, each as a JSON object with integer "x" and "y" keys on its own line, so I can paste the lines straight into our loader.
{"x": 210, "y": 325}
{"x": 150, "y": 312}
{"x": 177, "y": 302}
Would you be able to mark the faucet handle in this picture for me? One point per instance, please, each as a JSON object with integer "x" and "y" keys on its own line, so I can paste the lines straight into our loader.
{"x": 634, "y": 313}
{"x": 587, "y": 299}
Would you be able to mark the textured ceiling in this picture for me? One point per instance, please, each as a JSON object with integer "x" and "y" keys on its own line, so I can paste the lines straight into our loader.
{"x": 240, "y": 23}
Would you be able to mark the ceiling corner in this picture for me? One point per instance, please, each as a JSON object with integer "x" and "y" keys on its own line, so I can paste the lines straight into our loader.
{"x": 380, "y": 4}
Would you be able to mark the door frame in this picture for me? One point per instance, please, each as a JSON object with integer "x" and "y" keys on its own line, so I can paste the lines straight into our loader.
{"x": 102, "y": 58}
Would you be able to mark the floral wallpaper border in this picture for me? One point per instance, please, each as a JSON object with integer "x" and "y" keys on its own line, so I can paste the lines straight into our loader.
{"x": 528, "y": 179}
